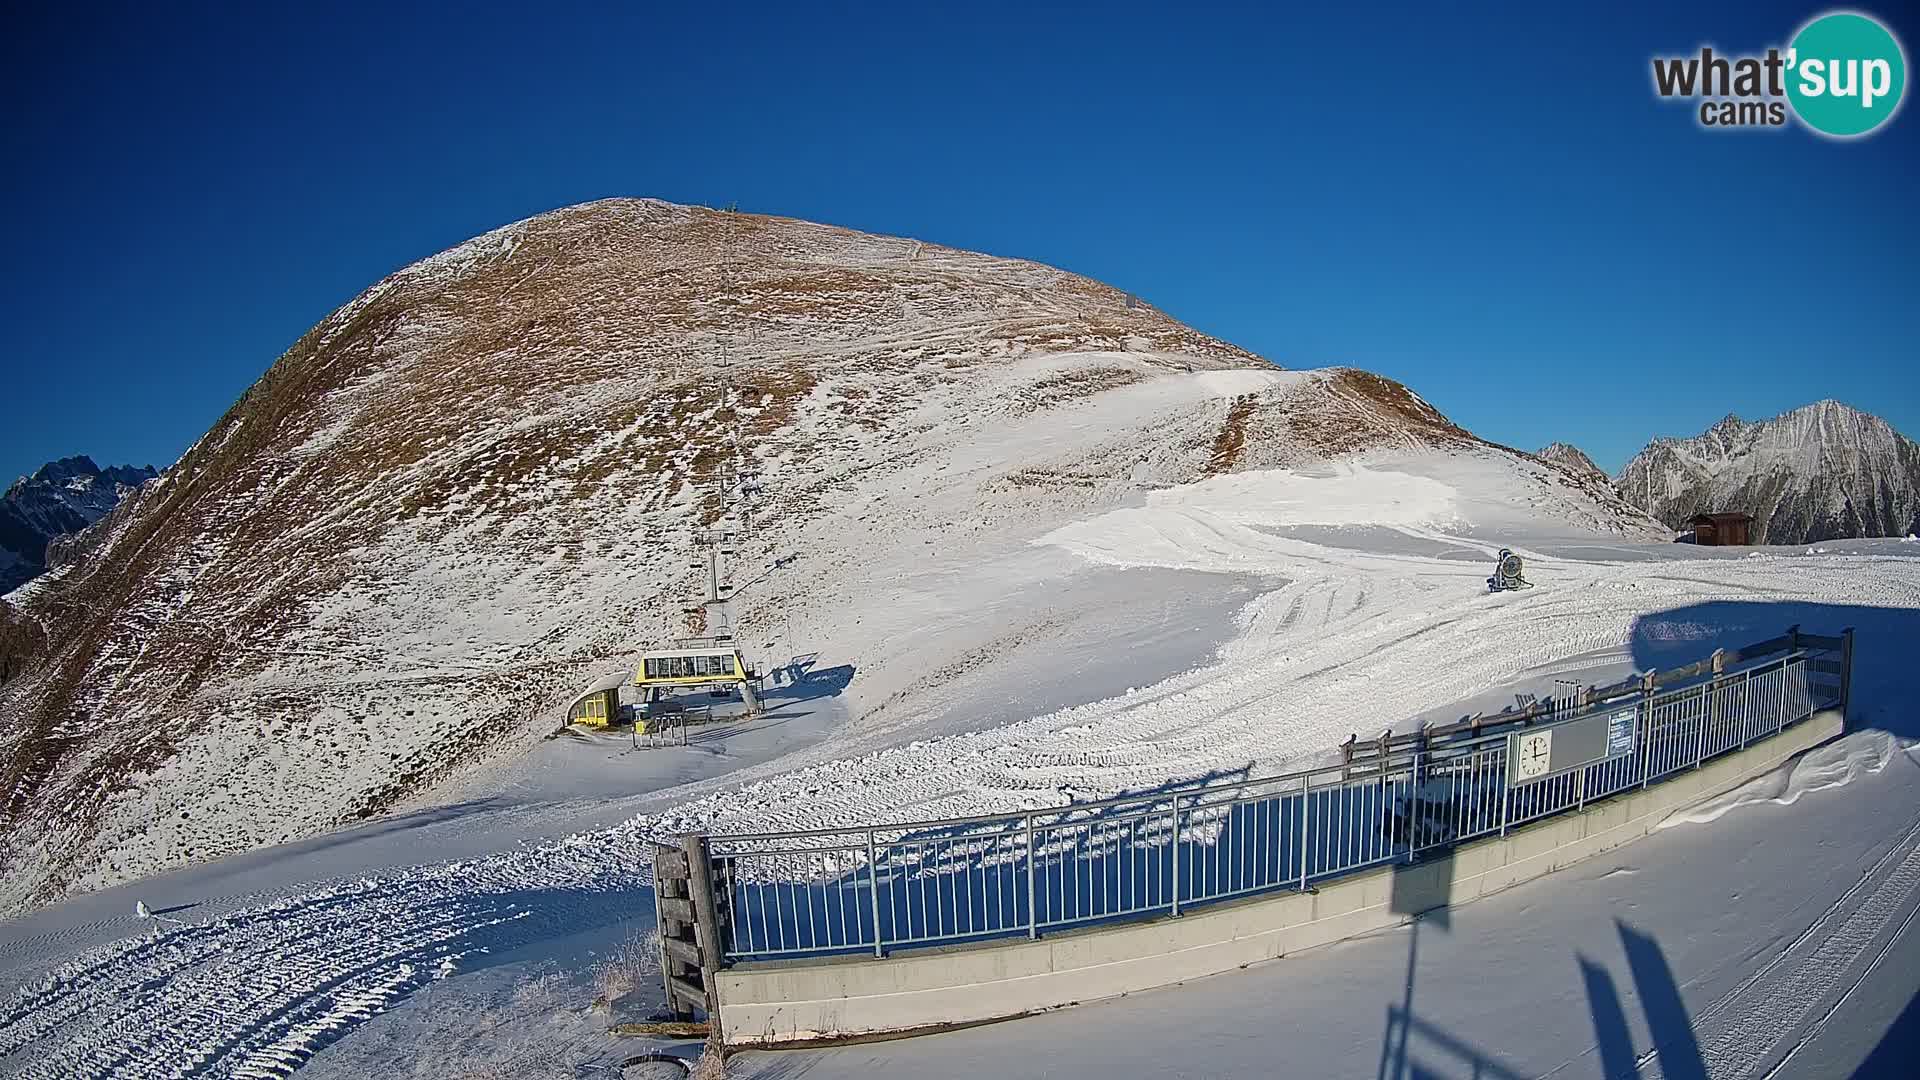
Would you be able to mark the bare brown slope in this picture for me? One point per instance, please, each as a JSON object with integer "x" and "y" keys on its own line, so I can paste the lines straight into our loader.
{"x": 472, "y": 489}
{"x": 478, "y": 414}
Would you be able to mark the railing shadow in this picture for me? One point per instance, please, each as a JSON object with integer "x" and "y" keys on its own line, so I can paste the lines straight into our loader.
{"x": 1413, "y": 1049}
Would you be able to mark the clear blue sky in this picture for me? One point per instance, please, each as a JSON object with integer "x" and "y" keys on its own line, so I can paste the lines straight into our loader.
{"x": 1491, "y": 207}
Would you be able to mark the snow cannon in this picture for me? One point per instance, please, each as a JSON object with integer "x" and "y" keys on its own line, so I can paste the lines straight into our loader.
{"x": 1506, "y": 573}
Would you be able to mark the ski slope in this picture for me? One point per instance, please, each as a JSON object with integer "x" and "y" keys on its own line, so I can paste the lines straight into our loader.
{"x": 1371, "y": 611}
{"x": 1364, "y": 628}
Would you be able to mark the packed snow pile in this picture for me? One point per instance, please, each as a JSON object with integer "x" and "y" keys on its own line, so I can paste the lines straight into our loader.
{"x": 473, "y": 490}
{"x": 1840, "y": 762}
{"x": 1821, "y": 472}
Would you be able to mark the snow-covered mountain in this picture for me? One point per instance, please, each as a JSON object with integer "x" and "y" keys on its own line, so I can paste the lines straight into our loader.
{"x": 471, "y": 490}
{"x": 1821, "y": 472}
{"x": 1571, "y": 458}
{"x": 60, "y": 498}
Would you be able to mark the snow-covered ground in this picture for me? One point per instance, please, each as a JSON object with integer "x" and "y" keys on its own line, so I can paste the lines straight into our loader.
{"x": 1351, "y": 638}
{"x": 1250, "y": 620}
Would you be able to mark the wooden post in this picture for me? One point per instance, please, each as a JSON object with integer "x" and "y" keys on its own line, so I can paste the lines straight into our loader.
{"x": 660, "y": 935}
{"x": 706, "y": 921}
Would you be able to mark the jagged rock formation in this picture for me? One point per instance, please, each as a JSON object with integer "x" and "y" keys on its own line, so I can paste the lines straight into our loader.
{"x": 1821, "y": 472}
{"x": 1572, "y": 459}
{"x": 60, "y": 498}
{"x": 473, "y": 488}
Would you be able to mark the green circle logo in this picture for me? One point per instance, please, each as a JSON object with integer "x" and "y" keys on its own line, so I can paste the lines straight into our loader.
{"x": 1845, "y": 74}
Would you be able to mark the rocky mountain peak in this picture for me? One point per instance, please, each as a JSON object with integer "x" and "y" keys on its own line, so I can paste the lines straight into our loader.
{"x": 55, "y": 501}
{"x": 1819, "y": 472}
{"x": 1572, "y": 458}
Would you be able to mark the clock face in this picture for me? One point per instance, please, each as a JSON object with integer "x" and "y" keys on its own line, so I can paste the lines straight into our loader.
{"x": 1533, "y": 754}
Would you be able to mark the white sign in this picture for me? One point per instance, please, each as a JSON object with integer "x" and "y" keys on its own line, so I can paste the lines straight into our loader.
{"x": 1620, "y": 727}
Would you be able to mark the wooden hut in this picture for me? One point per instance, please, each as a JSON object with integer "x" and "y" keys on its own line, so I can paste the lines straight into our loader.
{"x": 1724, "y": 530}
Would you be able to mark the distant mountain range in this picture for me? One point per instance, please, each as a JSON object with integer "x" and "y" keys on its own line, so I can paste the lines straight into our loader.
{"x": 1821, "y": 472}
{"x": 62, "y": 497}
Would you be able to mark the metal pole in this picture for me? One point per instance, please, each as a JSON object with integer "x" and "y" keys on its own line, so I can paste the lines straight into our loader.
{"x": 1746, "y": 705}
{"x": 1780, "y": 700}
{"x": 1700, "y": 722}
{"x": 1647, "y": 686}
{"x": 1306, "y": 805}
{"x": 1176, "y": 853}
{"x": 1033, "y": 856}
{"x": 1506, "y": 786}
{"x": 1846, "y": 675}
{"x": 1413, "y": 804}
{"x": 1385, "y": 786}
{"x": 873, "y": 893}
{"x": 1643, "y": 738}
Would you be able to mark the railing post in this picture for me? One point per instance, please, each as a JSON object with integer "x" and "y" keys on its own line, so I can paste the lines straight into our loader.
{"x": 1506, "y": 792}
{"x": 1306, "y": 806}
{"x": 1700, "y": 721}
{"x": 1413, "y": 797}
{"x": 1506, "y": 784}
{"x": 873, "y": 892}
{"x": 1746, "y": 705}
{"x": 1715, "y": 712}
{"x": 1033, "y": 858}
{"x": 1846, "y": 676}
{"x": 1176, "y": 853}
{"x": 1646, "y": 730}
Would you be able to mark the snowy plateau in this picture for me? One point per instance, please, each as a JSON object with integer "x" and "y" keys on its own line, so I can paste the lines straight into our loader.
{"x": 1021, "y": 539}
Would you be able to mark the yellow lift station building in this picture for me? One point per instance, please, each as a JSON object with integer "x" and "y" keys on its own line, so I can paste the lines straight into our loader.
{"x": 696, "y": 665}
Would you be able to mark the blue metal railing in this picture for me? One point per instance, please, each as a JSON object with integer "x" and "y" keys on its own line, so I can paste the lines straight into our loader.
{"x": 871, "y": 889}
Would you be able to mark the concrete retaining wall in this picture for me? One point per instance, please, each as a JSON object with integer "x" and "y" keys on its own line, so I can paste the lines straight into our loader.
{"x": 797, "y": 1001}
